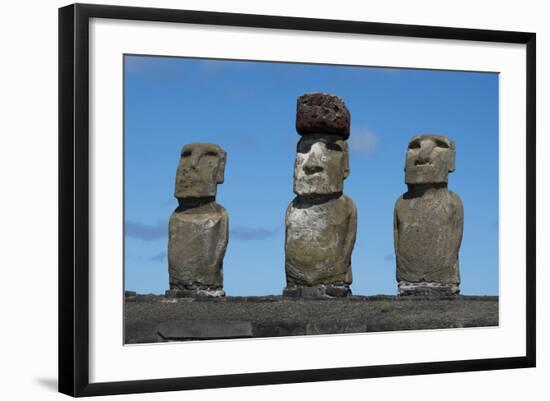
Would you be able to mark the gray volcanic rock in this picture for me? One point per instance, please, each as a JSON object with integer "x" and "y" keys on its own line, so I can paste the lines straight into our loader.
{"x": 204, "y": 330}
{"x": 274, "y": 316}
{"x": 197, "y": 242}
{"x": 200, "y": 170}
{"x": 321, "y": 222}
{"x": 198, "y": 228}
{"x": 428, "y": 221}
{"x": 319, "y": 241}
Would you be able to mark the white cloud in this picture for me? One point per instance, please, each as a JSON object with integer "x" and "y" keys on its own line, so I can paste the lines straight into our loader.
{"x": 364, "y": 141}
{"x": 244, "y": 233}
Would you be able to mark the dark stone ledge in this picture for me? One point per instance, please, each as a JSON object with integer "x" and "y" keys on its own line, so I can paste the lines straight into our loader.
{"x": 273, "y": 316}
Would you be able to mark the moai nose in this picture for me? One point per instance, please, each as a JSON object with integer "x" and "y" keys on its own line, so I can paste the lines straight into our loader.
{"x": 194, "y": 163}
{"x": 425, "y": 154}
{"x": 312, "y": 165}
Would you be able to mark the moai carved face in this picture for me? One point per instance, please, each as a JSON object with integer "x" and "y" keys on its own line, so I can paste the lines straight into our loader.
{"x": 430, "y": 158}
{"x": 201, "y": 168}
{"x": 321, "y": 164}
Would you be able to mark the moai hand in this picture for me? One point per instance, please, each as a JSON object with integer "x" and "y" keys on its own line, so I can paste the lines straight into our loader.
{"x": 198, "y": 228}
{"x": 428, "y": 220}
{"x": 321, "y": 222}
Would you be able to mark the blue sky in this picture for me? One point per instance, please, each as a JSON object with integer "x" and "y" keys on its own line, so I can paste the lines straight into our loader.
{"x": 248, "y": 108}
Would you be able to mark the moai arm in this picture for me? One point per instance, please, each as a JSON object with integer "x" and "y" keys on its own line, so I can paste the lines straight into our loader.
{"x": 352, "y": 230}
{"x": 290, "y": 271}
{"x": 221, "y": 246}
{"x": 458, "y": 220}
{"x": 396, "y": 234}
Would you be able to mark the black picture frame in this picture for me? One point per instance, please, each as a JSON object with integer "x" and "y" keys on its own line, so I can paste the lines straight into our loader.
{"x": 74, "y": 198}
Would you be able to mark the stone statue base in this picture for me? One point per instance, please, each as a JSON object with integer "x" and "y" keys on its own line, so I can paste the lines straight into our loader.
{"x": 424, "y": 288}
{"x": 317, "y": 291}
{"x": 196, "y": 292}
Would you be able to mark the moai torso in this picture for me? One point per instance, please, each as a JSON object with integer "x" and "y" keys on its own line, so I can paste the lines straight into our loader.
{"x": 428, "y": 221}
{"x": 321, "y": 221}
{"x": 198, "y": 228}
{"x": 429, "y": 232}
{"x": 319, "y": 241}
{"x": 197, "y": 243}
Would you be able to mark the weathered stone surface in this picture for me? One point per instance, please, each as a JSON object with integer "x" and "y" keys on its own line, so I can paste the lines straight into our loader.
{"x": 280, "y": 329}
{"x": 278, "y": 316}
{"x": 317, "y": 291}
{"x": 319, "y": 241}
{"x": 201, "y": 168}
{"x": 196, "y": 292}
{"x": 430, "y": 159}
{"x": 197, "y": 242}
{"x": 198, "y": 228}
{"x": 321, "y": 165}
{"x": 428, "y": 221}
{"x": 314, "y": 328}
{"x": 322, "y": 113}
{"x": 424, "y": 288}
{"x": 321, "y": 222}
{"x": 204, "y": 330}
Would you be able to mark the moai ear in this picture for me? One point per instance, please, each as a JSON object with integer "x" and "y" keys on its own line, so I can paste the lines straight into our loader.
{"x": 452, "y": 156}
{"x": 221, "y": 167}
{"x": 406, "y": 158}
{"x": 410, "y": 145}
{"x": 345, "y": 160}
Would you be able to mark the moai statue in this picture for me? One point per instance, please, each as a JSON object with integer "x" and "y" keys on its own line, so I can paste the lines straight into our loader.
{"x": 428, "y": 220}
{"x": 321, "y": 221}
{"x": 198, "y": 228}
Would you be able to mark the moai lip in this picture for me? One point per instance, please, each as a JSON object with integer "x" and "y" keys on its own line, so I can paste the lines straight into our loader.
{"x": 198, "y": 228}
{"x": 428, "y": 221}
{"x": 321, "y": 222}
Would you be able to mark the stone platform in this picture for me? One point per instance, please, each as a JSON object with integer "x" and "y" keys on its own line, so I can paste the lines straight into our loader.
{"x": 155, "y": 318}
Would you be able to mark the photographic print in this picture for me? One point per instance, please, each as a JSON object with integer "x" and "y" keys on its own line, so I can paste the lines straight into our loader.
{"x": 244, "y": 188}
{"x": 267, "y": 199}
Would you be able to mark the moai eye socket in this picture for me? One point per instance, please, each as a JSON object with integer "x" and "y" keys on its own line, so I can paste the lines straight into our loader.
{"x": 441, "y": 144}
{"x": 334, "y": 146}
{"x": 414, "y": 145}
{"x": 211, "y": 154}
{"x": 186, "y": 153}
{"x": 303, "y": 146}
